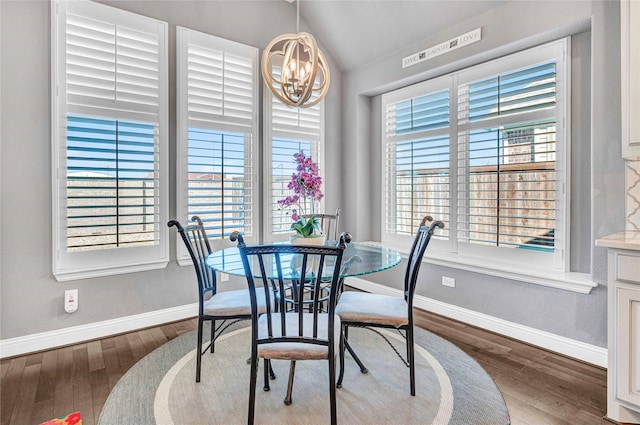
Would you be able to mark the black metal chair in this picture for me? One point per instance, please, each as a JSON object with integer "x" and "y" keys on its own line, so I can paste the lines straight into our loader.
{"x": 330, "y": 227}
{"x": 329, "y": 223}
{"x": 363, "y": 309}
{"x": 299, "y": 334}
{"x": 227, "y": 307}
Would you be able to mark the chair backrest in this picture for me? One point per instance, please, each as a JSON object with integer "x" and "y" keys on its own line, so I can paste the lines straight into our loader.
{"x": 418, "y": 247}
{"x": 329, "y": 223}
{"x": 312, "y": 265}
{"x": 195, "y": 239}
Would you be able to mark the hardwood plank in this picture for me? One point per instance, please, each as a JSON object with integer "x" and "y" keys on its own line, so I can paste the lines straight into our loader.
{"x": 42, "y": 411}
{"x": 47, "y": 383}
{"x": 82, "y": 397}
{"x": 136, "y": 345}
{"x": 125, "y": 358}
{"x": 11, "y": 382}
{"x": 96, "y": 362}
{"x": 4, "y": 367}
{"x": 158, "y": 336}
{"x": 111, "y": 365}
{"x": 100, "y": 390}
{"x": 169, "y": 331}
{"x": 25, "y": 398}
{"x": 63, "y": 397}
{"x": 148, "y": 340}
{"x": 35, "y": 358}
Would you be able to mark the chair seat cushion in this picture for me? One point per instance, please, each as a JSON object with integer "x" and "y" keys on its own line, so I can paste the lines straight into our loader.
{"x": 364, "y": 307}
{"x": 234, "y": 303}
{"x": 297, "y": 350}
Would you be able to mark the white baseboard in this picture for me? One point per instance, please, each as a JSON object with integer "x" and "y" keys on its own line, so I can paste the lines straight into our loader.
{"x": 548, "y": 341}
{"x": 77, "y": 334}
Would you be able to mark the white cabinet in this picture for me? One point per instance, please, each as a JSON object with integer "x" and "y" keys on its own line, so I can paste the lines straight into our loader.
{"x": 630, "y": 83}
{"x": 628, "y": 352}
{"x": 623, "y": 372}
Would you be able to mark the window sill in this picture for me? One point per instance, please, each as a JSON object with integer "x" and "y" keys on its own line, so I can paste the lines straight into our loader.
{"x": 569, "y": 281}
{"x": 64, "y": 276}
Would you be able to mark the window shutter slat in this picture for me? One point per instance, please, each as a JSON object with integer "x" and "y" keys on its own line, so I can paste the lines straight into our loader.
{"x": 525, "y": 90}
{"x": 220, "y": 84}
{"x": 109, "y": 61}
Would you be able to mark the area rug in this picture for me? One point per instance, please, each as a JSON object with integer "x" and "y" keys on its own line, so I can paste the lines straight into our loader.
{"x": 451, "y": 388}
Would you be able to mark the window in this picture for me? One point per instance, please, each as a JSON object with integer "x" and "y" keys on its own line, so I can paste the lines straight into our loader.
{"x": 486, "y": 151}
{"x": 289, "y": 130}
{"x": 109, "y": 141}
{"x": 217, "y": 135}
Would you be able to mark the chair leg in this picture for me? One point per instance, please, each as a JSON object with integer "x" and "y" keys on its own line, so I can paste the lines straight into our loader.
{"x": 272, "y": 374}
{"x": 411, "y": 357}
{"x": 332, "y": 389}
{"x": 292, "y": 372}
{"x": 267, "y": 366}
{"x": 213, "y": 335}
{"x": 199, "y": 348}
{"x": 252, "y": 387}
{"x": 363, "y": 368}
{"x": 341, "y": 375}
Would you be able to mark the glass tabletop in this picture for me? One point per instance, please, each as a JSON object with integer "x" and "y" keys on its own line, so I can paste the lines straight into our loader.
{"x": 359, "y": 259}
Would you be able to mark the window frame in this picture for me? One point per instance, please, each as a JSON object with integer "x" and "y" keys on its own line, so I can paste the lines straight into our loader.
{"x": 88, "y": 264}
{"x": 183, "y": 37}
{"x": 292, "y": 133}
{"x": 526, "y": 265}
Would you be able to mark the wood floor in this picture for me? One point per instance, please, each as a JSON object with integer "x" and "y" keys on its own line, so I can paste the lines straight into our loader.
{"x": 539, "y": 387}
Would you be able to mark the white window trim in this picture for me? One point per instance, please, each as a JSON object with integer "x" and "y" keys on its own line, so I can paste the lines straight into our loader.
{"x": 68, "y": 266}
{"x": 446, "y": 252}
{"x": 569, "y": 281}
{"x": 268, "y": 235}
{"x": 182, "y": 127}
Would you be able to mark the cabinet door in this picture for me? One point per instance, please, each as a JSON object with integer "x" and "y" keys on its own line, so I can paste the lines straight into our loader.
{"x": 630, "y": 69}
{"x": 628, "y": 354}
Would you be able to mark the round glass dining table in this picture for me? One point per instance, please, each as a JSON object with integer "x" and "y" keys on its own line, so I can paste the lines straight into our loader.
{"x": 359, "y": 258}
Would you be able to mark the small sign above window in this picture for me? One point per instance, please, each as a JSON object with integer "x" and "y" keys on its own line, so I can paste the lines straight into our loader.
{"x": 447, "y": 46}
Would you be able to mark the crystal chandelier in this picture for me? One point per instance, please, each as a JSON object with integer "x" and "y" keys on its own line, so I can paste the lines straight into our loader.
{"x": 294, "y": 68}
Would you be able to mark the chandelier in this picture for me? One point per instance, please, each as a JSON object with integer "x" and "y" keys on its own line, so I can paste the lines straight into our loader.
{"x": 294, "y": 68}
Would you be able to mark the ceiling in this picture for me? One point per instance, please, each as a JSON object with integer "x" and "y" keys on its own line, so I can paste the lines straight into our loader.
{"x": 357, "y": 32}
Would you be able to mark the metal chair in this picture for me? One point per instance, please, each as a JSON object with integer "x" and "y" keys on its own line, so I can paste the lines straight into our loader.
{"x": 227, "y": 307}
{"x": 299, "y": 334}
{"x": 369, "y": 310}
{"x": 329, "y": 223}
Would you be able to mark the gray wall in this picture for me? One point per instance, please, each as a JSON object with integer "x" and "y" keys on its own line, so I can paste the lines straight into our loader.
{"x": 31, "y": 300}
{"x": 598, "y": 185}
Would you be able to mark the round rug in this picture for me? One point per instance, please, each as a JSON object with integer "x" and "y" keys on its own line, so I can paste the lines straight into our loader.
{"x": 451, "y": 388}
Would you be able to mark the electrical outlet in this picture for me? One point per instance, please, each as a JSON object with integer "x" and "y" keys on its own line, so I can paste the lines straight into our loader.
{"x": 70, "y": 300}
{"x": 224, "y": 277}
{"x": 448, "y": 281}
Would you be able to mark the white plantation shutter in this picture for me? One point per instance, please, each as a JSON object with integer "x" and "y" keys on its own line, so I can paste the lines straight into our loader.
{"x": 488, "y": 160}
{"x": 417, "y": 159}
{"x": 217, "y": 134}
{"x": 509, "y": 180}
{"x": 112, "y": 62}
{"x": 290, "y": 130}
{"x": 290, "y": 120}
{"x": 109, "y": 125}
{"x": 220, "y": 82}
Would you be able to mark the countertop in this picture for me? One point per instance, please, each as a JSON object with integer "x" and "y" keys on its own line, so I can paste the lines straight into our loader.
{"x": 622, "y": 240}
